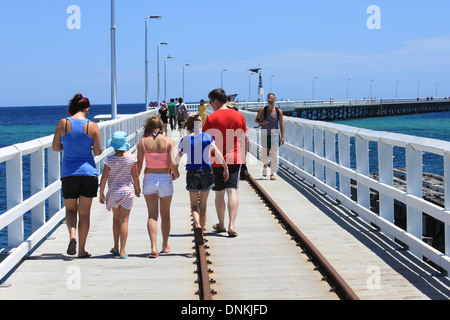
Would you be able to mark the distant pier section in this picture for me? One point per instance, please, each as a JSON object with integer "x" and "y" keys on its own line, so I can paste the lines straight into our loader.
{"x": 330, "y": 110}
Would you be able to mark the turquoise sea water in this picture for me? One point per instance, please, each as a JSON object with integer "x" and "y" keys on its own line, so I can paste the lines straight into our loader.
{"x": 20, "y": 124}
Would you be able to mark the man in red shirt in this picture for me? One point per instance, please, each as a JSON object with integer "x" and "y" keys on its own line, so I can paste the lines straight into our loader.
{"x": 229, "y": 130}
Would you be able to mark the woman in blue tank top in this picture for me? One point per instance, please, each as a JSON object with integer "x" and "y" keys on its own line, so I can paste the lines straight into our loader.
{"x": 78, "y": 137}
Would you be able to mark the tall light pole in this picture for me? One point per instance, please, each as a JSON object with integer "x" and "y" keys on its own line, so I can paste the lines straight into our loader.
{"x": 371, "y": 81}
{"x": 271, "y": 83}
{"x": 418, "y": 90}
{"x": 221, "y": 78}
{"x": 165, "y": 82}
{"x": 157, "y": 68}
{"x": 348, "y": 80}
{"x": 185, "y": 65}
{"x": 113, "y": 63}
{"x": 396, "y": 89}
{"x": 146, "y": 58}
{"x": 313, "y": 86}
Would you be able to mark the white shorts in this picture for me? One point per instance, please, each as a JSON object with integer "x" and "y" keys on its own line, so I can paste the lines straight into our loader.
{"x": 162, "y": 184}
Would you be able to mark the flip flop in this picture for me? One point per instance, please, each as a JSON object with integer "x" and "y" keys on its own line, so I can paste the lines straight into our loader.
{"x": 114, "y": 252}
{"x": 232, "y": 234}
{"x": 153, "y": 255}
{"x": 72, "y": 248}
{"x": 199, "y": 236}
{"x": 86, "y": 255}
{"x": 217, "y": 229}
{"x": 124, "y": 257}
{"x": 167, "y": 250}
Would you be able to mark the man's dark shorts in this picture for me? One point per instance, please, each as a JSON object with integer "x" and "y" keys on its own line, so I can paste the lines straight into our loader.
{"x": 232, "y": 182}
{"x": 76, "y": 186}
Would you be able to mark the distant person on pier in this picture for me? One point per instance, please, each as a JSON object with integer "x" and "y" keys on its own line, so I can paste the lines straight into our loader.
{"x": 270, "y": 118}
{"x": 229, "y": 130}
{"x": 78, "y": 137}
{"x": 164, "y": 115}
{"x": 172, "y": 106}
{"x": 202, "y": 110}
{"x": 181, "y": 114}
{"x": 160, "y": 171}
{"x": 199, "y": 177}
{"x": 120, "y": 172}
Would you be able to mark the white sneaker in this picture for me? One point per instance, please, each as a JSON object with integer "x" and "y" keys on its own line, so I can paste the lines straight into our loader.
{"x": 264, "y": 172}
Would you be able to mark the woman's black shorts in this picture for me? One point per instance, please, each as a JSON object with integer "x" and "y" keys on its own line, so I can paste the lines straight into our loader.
{"x": 76, "y": 186}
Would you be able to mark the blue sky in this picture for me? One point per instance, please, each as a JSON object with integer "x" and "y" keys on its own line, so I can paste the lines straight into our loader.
{"x": 43, "y": 62}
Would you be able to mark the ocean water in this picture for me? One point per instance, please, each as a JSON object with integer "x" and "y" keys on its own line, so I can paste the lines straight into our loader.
{"x": 20, "y": 124}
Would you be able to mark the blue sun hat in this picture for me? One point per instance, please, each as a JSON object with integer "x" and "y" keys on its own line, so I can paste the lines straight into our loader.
{"x": 119, "y": 141}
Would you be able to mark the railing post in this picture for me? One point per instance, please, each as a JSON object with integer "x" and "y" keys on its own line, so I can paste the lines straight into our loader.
{"x": 298, "y": 141}
{"x": 330, "y": 153}
{"x": 386, "y": 169}
{"x": 362, "y": 167}
{"x": 447, "y": 199}
{"x": 308, "y": 143}
{"x": 344, "y": 161}
{"x": 37, "y": 172}
{"x": 54, "y": 174}
{"x": 414, "y": 187}
{"x": 319, "y": 151}
{"x": 14, "y": 196}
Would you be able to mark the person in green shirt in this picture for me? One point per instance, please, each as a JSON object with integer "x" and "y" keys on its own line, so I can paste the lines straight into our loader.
{"x": 172, "y": 106}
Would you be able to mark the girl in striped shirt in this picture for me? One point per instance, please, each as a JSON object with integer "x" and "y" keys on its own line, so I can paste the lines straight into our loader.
{"x": 123, "y": 184}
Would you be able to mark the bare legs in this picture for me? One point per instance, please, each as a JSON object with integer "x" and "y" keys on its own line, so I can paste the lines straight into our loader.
{"x": 232, "y": 204}
{"x": 120, "y": 229}
{"x": 152, "y": 222}
{"x": 79, "y": 208}
{"x": 198, "y": 209}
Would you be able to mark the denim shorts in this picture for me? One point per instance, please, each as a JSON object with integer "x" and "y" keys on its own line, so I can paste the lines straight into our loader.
{"x": 75, "y": 186}
{"x": 162, "y": 184}
{"x": 199, "y": 179}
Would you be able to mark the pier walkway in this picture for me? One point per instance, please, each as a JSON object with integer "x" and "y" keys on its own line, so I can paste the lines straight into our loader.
{"x": 261, "y": 263}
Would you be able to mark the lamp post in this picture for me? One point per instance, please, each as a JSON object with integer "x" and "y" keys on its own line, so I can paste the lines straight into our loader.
{"x": 185, "y": 65}
{"x": 313, "y": 87}
{"x": 146, "y": 58}
{"x": 157, "y": 70}
{"x": 113, "y": 63}
{"x": 271, "y": 83}
{"x": 221, "y": 78}
{"x": 348, "y": 80}
{"x": 418, "y": 90}
{"x": 371, "y": 81}
{"x": 165, "y": 82}
{"x": 396, "y": 89}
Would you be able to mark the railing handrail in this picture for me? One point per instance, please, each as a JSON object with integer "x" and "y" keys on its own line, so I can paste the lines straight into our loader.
{"x": 310, "y": 151}
{"x": 18, "y": 247}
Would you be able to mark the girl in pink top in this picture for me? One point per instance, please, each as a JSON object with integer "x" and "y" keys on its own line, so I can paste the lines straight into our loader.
{"x": 123, "y": 184}
{"x": 160, "y": 171}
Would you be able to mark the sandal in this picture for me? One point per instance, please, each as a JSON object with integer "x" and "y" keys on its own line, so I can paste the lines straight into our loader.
{"x": 217, "y": 228}
{"x": 232, "y": 234}
{"x": 153, "y": 255}
{"x": 72, "y": 248}
{"x": 198, "y": 236}
{"x": 272, "y": 177}
{"x": 167, "y": 250}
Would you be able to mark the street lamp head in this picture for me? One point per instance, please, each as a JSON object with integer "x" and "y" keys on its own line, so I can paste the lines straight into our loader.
{"x": 164, "y": 43}
{"x": 155, "y": 17}
{"x": 169, "y": 57}
{"x": 187, "y": 65}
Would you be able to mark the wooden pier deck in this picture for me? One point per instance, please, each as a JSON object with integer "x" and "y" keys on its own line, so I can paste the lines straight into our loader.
{"x": 262, "y": 263}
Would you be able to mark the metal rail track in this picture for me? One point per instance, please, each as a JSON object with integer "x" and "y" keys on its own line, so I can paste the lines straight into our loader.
{"x": 336, "y": 282}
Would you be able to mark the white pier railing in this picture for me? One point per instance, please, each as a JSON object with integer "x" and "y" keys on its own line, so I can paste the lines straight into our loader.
{"x": 321, "y": 153}
{"x": 45, "y": 166}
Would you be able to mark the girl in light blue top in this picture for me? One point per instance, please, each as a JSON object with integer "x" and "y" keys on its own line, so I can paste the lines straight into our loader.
{"x": 78, "y": 137}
